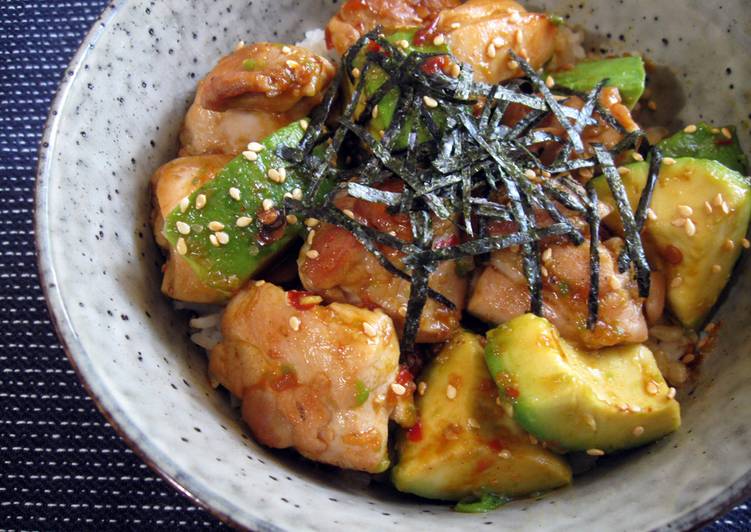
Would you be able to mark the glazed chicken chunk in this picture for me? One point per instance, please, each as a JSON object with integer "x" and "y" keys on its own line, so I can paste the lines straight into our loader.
{"x": 343, "y": 270}
{"x": 315, "y": 378}
{"x": 170, "y": 184}
{"x": 251, "y": 93}
{"x": 501, "y": 293}
{"x": 480, "y": 32}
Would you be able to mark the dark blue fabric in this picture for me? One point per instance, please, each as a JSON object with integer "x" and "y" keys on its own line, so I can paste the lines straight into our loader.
{"x": 61, "y": 465}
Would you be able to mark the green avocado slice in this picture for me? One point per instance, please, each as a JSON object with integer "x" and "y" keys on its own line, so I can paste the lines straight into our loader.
{"x": 578, "y": 400}
{"x": 625, "y": 73}
{"x": 707, "y": 142}
{"x": 466, "y": 447}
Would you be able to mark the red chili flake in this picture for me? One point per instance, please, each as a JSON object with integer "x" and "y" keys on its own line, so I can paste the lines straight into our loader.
{"x": 294, "y": 297}
{"x": 415, "y": 432}
{"x": 447, "y": 242}
{"x": 437, "y": 64}
{"x": 723, "y": 141}
{"x": 374, "y": 47}
{"x": 497, "y": 445}
{"x": 426, "y": 33}
{"x": 283, "y": 382}
{"x": 482, "y": 465}
{"x": 404, "y": 376}
{"x": 672, "y": 254}
{"x": 513, "y": 393}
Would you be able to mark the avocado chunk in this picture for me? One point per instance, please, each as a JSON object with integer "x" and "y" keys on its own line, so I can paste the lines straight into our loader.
{"x": 707, "y": 142}
{"x": 466, "y": 446}
{"x": 697, "y": 258}
{"x": 625, "y": 73}
{"x": 608, "y": 400}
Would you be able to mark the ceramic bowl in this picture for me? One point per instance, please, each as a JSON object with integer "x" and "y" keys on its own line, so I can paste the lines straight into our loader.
{"x": 116, "y": 119}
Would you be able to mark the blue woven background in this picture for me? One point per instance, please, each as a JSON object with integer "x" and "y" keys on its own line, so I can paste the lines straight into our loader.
{"x": 61, "y": 465}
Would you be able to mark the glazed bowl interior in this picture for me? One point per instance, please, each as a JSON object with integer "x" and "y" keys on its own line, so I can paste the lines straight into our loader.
{"x": 116, "y": 120}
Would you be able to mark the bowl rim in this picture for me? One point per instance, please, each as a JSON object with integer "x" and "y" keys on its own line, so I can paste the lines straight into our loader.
{"x": 134, "y": 438}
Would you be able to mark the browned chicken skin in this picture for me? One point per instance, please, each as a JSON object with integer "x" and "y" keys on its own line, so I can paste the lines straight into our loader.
{"x": 170, "y": 184}
{"x": 345, "y": 271}
{"x": 316, "y": 378}
{"x": 251, "y": 93}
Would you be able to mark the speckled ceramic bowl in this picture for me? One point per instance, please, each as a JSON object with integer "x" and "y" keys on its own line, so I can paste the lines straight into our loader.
{"x": 116, "y": 119}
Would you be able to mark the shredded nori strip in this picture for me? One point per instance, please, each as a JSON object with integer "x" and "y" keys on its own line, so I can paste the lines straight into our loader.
{"x": 593, "y": 218}
{"x": 631, "y": 231}
{"x": 645, "y": 200}
{"x": 464, "y": 168}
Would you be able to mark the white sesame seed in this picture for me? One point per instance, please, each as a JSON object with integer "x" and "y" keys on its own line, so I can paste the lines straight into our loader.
{"x": 310, "y": 238}
{"x": 530, "y": 174}
{"x": 311, "y": 222}
{"x": 652, "y": 215}
{"x": 294, "y": 323}
{"x": 216, "y": 226}
{"x": 726, "y": 133}
{"x": 348, "y": 213}
{"x": 590, "y": 420}
{"x": 274, "y": 175}
{"x": 691, "y": 128}
{"x": 183, "y": 228}
{"x": 234, "y": 193}
{"x": 622, "y": 170}
{"x": 636, "y": 156}
{"x": 708, "y": 207}
{"x": 505, "y": 454}
{"x": 404, "y": 43}
{"x": 729, "y": 245}
{"x": 304, "y": 124}
{"x": 439, "y": 40}
{"x": 181, "y": 246}
{"x": 690, "y": 227}
{"x": 547, "y": 255}
{"x": 398, "y": 389}
{"x": 490, "y": 50}
{"x": 455, "y": 25}
{"x": 213, "y": 240}
{"x": 455, "y": 70}
{"x": 244, "y": 221}
{"x": 472, "y": 423}
{"x": 369, "y": 329}
{"x": 256, "y": 147}
{"x": 451, "y": 391}
{"x": 652, "y": 388}
{"x": 544, "y": 271}
{"x": 312, "y": 254}
{"x": 716, "y": 268}
{"x": 240, "y": 45}
{"x": 355, "y": 72}
{"x": 678, "y": 222}
{"x": 430, "y": 102}
{"x": 184, "y": 204}
{"x": 222, "y": 237}
{"x": 718, "y": 200}
{"x": 291, "y": 63}
{"x": 374, "y": 114}
{"x": 671, "y": 393}
{"x": 250, "y": 155}
{"x": 746, "y": 243}
{"x": 286, "y": 49}
{"x": 498, "y": 41}
{"x": 291, "y": 219}
{"x": 422, "y": 387}
{"x": 549, "y": 82}
{"x": 200, "y": 201}
{"x": 690, "y": 357}
{"x": 595, "y": 452}
{"x": 614, "y": 283}
{"x": 725, "y": 208}
{"x": 668, "y": 161}
{"x": 267, "y": 204}
{"x": 297, "y": 194}
{"x": 676, "y": 282}
{"x": 260, "y": 282}
{"x": 638, "y": 431}
{"x": 685, "y": 210}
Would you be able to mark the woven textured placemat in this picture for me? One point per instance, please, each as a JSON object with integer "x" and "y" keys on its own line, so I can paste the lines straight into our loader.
{"x": 61, "y": 465}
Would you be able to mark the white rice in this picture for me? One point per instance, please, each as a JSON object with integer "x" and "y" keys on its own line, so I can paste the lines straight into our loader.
{"x": 315, "y": 41}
